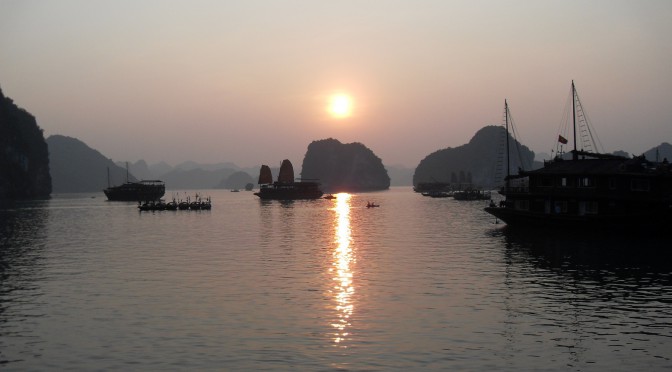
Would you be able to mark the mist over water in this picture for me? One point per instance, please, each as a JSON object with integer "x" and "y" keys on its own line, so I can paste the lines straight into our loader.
{"x": 419, "y": 283}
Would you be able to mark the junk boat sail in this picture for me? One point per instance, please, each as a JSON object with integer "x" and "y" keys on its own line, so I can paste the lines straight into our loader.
{"x": 286, "y": 188}
{"x": 589, "y": 190}
{"x": 145, "y": 190}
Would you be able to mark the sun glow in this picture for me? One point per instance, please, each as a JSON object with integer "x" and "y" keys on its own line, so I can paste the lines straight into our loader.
{"x": 340, "y": 106}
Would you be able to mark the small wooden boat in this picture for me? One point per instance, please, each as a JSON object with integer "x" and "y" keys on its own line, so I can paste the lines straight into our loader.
{"x": 171, "y": 206}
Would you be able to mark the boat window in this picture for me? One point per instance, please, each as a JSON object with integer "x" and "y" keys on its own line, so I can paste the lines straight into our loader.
{"x": 563, "y": 182}
{"x": 586, "y": 182}
{"x": 639, "y": 184}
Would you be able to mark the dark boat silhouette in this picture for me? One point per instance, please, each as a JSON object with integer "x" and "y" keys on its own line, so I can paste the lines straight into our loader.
{"x": 589, "y": 190}
{"x": 145, "y": 190}
{"x": 286, "y": 187}
{"x": 471, "y": 194}
{"x": 199, "y": 203}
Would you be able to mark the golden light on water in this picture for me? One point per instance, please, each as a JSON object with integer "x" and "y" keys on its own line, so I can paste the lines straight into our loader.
{"x": 341, "y": 269}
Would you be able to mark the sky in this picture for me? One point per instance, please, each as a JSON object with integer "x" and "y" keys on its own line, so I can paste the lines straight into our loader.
{"x": 249, "y": 82}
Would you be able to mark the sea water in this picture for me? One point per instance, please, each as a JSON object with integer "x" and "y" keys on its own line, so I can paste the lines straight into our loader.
{"x": 418, "y": 283}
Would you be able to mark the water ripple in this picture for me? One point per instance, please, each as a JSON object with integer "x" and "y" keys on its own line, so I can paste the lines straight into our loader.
{"x": 418, "y": 283}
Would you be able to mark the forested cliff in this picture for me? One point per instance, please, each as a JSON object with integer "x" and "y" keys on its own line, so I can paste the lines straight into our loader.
{"x": 24, "y": 157}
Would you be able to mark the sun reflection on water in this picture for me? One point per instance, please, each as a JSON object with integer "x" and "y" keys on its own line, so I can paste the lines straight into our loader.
{"x": 341, "y": 269}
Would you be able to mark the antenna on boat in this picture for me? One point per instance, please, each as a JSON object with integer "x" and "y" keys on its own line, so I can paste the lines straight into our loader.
{"x": 108, "y": 177}
{"x": 126, "y": 172}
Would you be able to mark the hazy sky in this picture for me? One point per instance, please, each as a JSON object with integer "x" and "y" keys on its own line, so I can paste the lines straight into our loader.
{"x": 248, "y": 81}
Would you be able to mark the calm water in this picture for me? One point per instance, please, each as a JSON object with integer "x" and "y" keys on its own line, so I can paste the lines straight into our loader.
{"x": 418, "y": 283}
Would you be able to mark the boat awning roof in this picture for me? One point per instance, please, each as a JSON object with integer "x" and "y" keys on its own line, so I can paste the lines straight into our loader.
{"x": 604, "y": 166}
{"x": 151, "y": 181}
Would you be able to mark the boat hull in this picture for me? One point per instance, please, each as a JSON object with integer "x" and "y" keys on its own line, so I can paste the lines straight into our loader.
{"x": 290, "y": 191}
{"x": 654, "y": 221}
{"x": 136, "y": 191}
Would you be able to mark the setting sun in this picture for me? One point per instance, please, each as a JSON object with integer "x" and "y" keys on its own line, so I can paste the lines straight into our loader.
{"x": 340, "y": 106}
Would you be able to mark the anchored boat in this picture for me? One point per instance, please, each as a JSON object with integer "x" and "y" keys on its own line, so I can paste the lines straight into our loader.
{"x": 286, "y": 187}
{"x": 145, "y": 190}
{"x": 588, "y": 189}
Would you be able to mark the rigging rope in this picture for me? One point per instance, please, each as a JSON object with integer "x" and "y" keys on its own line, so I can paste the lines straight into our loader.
{"x": 588, "y": 137}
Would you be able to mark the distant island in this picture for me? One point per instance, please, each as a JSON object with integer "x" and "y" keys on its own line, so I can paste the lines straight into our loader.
{"x": 479, "y": 163}
{"x": 75, "y": 167}
{"x": 32, "y": 167}
{"x": 344, "y": 167}
{"x": 660, "y": 152}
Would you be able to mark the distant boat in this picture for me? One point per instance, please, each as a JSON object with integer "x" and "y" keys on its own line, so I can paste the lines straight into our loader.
{"x": 438, "y": 194}
{"x": 286, "y": 188}
{"x": 372, "y": 205}
{"x": 145, "y": 190}
{"x": 198, "y": 203}
{"x": 235, "y": 190}
{"x": 171, "y": 205}
{"x": 471, "y": 194}
{"x": 427, "y": 187}
{"x": 330, "y": 196}
{"x": 152, "y": 206}
{"x": 183, "y": 205}
{"x": 590, "y": 190}
{"x": 160, "y": 205}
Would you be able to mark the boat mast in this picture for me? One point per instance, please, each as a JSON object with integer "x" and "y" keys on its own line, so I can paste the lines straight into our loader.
{"x": 108, "y": 177}
{"x": 126, "y": 172}
{"x": 574, "y": 156}
{"x": 508, "y": 167}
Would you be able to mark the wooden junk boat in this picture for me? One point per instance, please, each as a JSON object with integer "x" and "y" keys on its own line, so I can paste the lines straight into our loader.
{"x": 588, "y": 190}
{"x": 286, "y": 187}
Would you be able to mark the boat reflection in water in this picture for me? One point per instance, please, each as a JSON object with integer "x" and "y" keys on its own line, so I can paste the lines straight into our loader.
{"x": 341, "y": 269}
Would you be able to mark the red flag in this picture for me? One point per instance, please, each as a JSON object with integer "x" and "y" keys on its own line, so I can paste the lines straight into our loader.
{"x": 562, "y": 139}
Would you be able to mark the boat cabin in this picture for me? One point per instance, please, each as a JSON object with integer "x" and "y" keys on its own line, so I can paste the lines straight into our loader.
{"x": 604, "y": 185}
